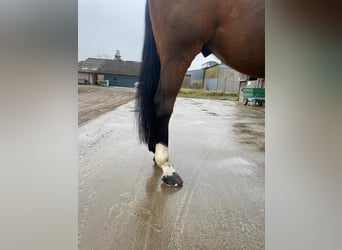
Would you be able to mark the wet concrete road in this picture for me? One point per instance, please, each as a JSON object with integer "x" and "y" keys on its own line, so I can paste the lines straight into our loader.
{"x": 218, "y": 149}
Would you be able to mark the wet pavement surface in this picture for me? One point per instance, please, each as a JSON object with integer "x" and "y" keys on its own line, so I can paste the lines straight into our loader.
{"x": 217, "y": 147}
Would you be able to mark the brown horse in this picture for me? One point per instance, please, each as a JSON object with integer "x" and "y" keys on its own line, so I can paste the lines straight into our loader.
{"x": 176, "y": 31}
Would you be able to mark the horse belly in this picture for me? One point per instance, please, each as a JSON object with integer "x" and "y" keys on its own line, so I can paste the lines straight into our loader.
{"x": 239, "y": 40}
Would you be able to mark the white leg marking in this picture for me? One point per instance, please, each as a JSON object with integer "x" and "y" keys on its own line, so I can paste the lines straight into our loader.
{"x": 161, "y": 157}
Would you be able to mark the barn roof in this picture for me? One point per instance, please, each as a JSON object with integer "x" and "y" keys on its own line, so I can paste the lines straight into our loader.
{"x": 109, "y": 66}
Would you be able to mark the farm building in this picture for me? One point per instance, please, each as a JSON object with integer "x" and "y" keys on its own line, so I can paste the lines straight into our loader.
{"x": 116, "y": 71}
{"x": 214, "y": 76}
{"x": 187, "y": 81}
{"x": 196, "y": 79}
{"x": 120, "y": 73}
{"x": 221, "y": 77}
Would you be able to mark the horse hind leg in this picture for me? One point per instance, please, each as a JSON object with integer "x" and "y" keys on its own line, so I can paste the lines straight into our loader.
{"x": 171, "y": 78}
{"x": 161, "y": 159}
{"x": 161, "y": 156}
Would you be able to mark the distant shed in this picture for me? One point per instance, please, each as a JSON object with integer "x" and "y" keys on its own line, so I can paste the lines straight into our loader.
{"x": 116, "y": 71}
{"x": 196, "y": 81}
{"x": 221, "y": 77}
{"x": 214, "y": 76}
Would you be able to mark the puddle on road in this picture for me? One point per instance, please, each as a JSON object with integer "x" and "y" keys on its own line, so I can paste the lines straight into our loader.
{"x": 238, "y": 165}
{"x": 250, "y": 136}
{"x": 239, "y": 125}
{"x": 195, "y": 103}
{"x": 252, "y": 132}
{"x": 209, "y": 112}
{"x": 259, "y": 146}
{"x": 212, "y": 113}
{"x": 200, "y": 122}
{"x": 243, "y": 128}
{"x": 239, "y": 161}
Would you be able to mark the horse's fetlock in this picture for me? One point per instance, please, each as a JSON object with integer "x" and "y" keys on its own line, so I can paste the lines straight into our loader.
{"x": 161, "y": 155}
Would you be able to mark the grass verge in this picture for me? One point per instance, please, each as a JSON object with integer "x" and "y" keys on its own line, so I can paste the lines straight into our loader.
{"x": 200, "y": 93}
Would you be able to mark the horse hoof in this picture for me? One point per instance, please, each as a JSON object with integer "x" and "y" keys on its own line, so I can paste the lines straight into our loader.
{"x": 173, "y": 180}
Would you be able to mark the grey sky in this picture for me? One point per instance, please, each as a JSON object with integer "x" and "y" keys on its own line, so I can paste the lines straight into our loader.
{"x": 105, "y": 26}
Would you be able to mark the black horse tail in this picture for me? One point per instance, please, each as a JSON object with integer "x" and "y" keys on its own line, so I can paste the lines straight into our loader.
{"x": 148, "y": 83}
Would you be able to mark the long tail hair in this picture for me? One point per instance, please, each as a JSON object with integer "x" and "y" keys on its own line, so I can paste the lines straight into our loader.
{"x": 148, "y": 82}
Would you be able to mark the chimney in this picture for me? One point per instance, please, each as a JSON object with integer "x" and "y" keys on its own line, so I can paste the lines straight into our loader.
{"x": 117, "y": 56}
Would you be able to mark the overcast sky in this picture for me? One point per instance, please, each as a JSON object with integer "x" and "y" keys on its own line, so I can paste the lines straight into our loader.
{"x": 105, "y": 26}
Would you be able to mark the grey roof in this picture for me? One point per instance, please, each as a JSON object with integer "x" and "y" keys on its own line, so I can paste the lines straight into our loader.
{"x": 109, "y": 66}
